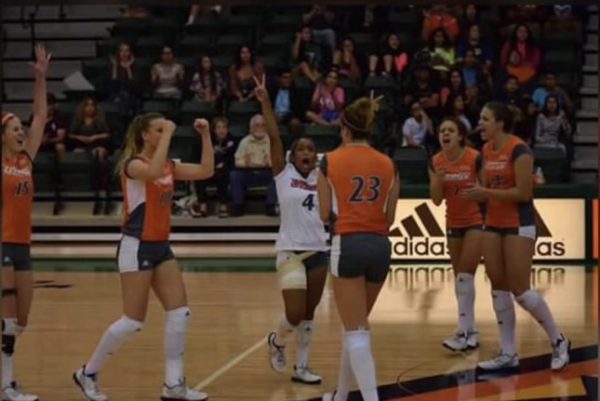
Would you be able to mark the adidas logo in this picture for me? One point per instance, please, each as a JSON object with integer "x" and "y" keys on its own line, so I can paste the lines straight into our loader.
{"x": 420, "y": 235}
{"x": 145, "y": 263}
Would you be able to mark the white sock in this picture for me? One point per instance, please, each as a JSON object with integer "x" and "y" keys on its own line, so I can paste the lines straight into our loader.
{"x": 505, "y": 316}
{"x": 358, "y": 344}
{"x": 464, "y": 287}
{"x": 9, "y": 334}
{"x": 304, "y": 335}
{"x": 175, "y": 329}
{"x": 533, "y": 303}
{"x": 112, "y": 339}
{"x": 284, "y": 329}
{"x": 345, "y": 377}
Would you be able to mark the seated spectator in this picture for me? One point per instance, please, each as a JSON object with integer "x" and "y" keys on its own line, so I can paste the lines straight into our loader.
{"x": 207, "y": 83}
{"x": 423, "y": 87}
{"x": 224, "y": 149}
{"x": 242, "y": 74}
{"x": 348, "y": 60}
{"x": 552, "y": 126}
{"x": 393, "y": 57}
{"x": 285, "y": 102}
{"x": 438, "y": 17}
{"x": 475, "y": 100}
{"x": 417, "y": 130}
{"x": 126, "y": 83}
{"x": 456, "y": 107}
{"x": 525, "y": 128}
{"x": 307, "y": 57}
{"x": 253, "y": 167}
{"x": 320, "y": 20}
{"x": 90, "y": 133}
{"x": 442, "y": 52}
{"x": 327, "y": 101}
{"x": 551, "y": 87}
{"x": 167, "y": 75}
{"x": 474, "y": 74}
{"x": 456, "y": 86}
{"x": 520, "y": 56}
{"x": 512, "y": 94}
{"x": 565, "y": 17}
{"x": 469, "y": 15}
{"x": 482, "y": 51}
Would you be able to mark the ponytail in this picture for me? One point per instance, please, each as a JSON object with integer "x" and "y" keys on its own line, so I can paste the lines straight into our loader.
{"x": 134, "y": 141}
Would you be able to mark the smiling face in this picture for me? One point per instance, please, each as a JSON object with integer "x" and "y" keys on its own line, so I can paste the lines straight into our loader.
{"x": 258, "y": 128}
{"x": 13, "y": 136}
{"x": 450, "y": 136}
{"x": 304, "y": 156}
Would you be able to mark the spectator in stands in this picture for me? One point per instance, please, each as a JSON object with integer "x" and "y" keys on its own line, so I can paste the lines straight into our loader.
{"x": 126, "y": 83}
{"x": 474, "y": 74}
{"x": 482, "y": 51}
{"x": 521, "y": 13}
{"x": 475, "y": 101}
{"x": 327, "y": 101}
{"x": 285, "y": 102}
{"x": 512, "y": 94}
{"x": 196, "y": 9}
{"x": 307, "y": 56}
{"x": 392, "y": 57}
{"x": 456, "y": 86}
{"x": 565, "y": 17}
{"x": 456, "y": 108}
{"x": 423, "y": 87}
{"x": 520, "y": 56}
{"x": 469, "y": 15}
{"x": 207, "y": 83}
{"x": 441, "y": 51}
{"x": 242, "y": 74}
{"x": 551, "y": 87}
{"x": 320, "y": 19}
{"x": 438, "y": 17}
{"x": 552, "y": 126}
{"x": 90, "y": 133}
{"x": 525, "y": 128}
{"x": 348, "y": 60}
{"x": 224, "y": 148}
{"x": 252, "y": 167}
{"x": 167, "y": 75}
{"x": 417, "y": 129}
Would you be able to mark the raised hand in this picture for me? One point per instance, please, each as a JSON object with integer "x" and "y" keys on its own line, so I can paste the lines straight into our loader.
{"x": 42, "y": 60}
{"x": 375, "y": 100}
{"x": 260, "y": 91}
{"x": 202, "y": 126}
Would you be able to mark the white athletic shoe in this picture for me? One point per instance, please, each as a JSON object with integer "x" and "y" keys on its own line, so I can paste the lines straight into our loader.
{"x": 277, "y": 356}
{"x": 560, "y": 353}
{"x": 328, "y": 396}
{"x": 181, "y": 392}
{"x": 305, "y": 375}
{"x": 14, "y": 393}
{"x": 499, "y": 362}
{"x": 89, "y": 386}
{"x": 462, "y": 341}
{"x": 473, "y": 339}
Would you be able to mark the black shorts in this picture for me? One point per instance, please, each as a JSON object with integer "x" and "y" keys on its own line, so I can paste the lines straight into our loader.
{"x": 355, "y": 255}
{"x": 17, "y": 256}
{"x": 135, "y": 255}
{"x": 523, "y": 231}
{"x": 460, "y": 232}
{"x": 319, "y": 259}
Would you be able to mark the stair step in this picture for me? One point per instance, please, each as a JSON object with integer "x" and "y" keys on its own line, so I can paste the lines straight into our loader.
{"x": 21, "y": 69}
{"x": 69, "y": 49}
{"x": 59, "y": 30}
{"x": 592, "y": 40}
{"x": 591, "y": 48}
{"x": 21, "y": 109}
{"x": 592, "y": 23}
{"x": 591, "y": 164}
{"x": 581, "y": 139}
{"x": 23, "y": 90}
{"x": 590, "y": 80}
{"x": 584, "y": 177}
{"x": 587, "y": 115}
{"x": 591, "y": 59}
{"x": 586, "y": 152}
{"x": 71, "y": 12}
{"x": 587, "y": 128}
{"x": 590, "y": 104}
{"x": 589, "y": 69}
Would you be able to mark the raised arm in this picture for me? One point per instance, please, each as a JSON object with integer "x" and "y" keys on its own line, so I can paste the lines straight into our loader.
{"x": 139, "y": 170}
{"x": 40, "y": 107}
{"x": 276, "y": 147}
{"x": 205, "y": 169}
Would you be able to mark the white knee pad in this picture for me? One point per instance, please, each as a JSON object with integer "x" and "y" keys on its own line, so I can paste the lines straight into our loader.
{"x": 177, "y": 319}
{"x": 291, "y": 270}
{"x": 126, "y": 326}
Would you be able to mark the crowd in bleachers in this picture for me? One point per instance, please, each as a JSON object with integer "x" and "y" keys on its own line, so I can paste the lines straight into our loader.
{"x": 428, "y": 62}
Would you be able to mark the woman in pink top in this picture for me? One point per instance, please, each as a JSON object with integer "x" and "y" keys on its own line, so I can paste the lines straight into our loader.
{"x": 327, "y": 101}
{"x": 520, "y": 56}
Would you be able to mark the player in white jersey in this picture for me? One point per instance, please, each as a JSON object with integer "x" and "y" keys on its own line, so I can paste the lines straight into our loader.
{"x": 301, "y": 246}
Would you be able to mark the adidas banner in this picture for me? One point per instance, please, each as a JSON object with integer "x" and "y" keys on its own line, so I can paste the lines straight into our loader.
{"x": 418, "y": 231}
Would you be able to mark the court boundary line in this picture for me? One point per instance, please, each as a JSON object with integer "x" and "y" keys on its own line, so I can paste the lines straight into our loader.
{"x": 231, "y": 364}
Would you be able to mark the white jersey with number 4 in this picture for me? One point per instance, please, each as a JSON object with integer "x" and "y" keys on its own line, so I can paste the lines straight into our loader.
{"x": 301, "y": 228}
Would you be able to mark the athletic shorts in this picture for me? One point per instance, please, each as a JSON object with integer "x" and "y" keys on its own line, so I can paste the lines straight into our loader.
{"x": 460, "y": 232}
{"x": 17, "y": 256}
{"x": 523, "y": 231}
{"x": 355, "y": 255}
{"x": 135, "y": 255}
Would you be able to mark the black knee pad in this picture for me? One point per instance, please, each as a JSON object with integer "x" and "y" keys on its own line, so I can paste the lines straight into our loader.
{"x": 8, "y": 344}
{"x": 7, "y": 292}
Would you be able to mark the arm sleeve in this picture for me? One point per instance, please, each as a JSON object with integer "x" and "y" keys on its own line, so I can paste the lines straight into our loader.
{"x": 520, "y": 150}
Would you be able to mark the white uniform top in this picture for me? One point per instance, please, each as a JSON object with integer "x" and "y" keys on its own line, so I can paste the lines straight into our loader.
{"x": 301, "y": 228}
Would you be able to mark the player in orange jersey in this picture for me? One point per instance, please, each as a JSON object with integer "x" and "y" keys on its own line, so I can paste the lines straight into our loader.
{"x": 510, "y": 235}
{"x": 18, "y": 152}
{"x": 358, "y": 192}
{"x": 144, "y": 256}
{"x": 455, "y": 168}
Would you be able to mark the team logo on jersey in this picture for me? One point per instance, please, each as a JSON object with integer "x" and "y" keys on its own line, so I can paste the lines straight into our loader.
{"x": 17, "y": 172}
{"x": 295, "y": 183}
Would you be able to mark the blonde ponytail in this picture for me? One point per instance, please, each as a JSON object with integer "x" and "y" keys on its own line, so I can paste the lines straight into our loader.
{"x": 359, "y": 117}
{"x": 134, "y": 141}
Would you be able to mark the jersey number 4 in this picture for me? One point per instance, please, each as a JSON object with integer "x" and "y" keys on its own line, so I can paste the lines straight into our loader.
{"x": 309, "y": 202}
{"x": 366, "y": 189}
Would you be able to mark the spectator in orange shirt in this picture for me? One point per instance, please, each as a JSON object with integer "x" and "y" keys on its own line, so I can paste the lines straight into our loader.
{"x": 439, "y": 17}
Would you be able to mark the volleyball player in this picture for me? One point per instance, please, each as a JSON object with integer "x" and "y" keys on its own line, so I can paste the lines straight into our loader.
{"x": 453, "y": 169}
{"x": 358, "y": 190}
{"x": 510, "y": 235}
{"x": 301, "y": 244}
{"x": 18, "y": 152}
{"x": 144, "y": 256}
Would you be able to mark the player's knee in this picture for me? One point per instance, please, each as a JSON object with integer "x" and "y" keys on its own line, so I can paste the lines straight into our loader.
{"x": 292, "y": 275}
{"x": 294, "y": 315}
{"x": 9, "y": 292}
{"x": 177, "y": 319}
{"x": 126, "y": 326}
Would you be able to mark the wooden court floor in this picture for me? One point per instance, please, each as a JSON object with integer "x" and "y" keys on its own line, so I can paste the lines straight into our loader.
{"x": 233, "y": 312}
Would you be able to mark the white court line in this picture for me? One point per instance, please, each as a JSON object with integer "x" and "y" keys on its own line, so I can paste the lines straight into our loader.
{"x": 231, "y": 364}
